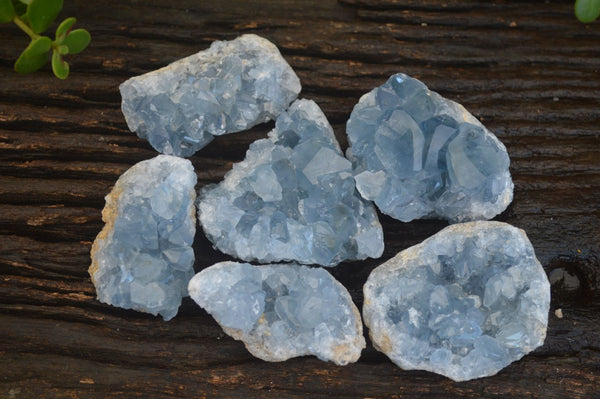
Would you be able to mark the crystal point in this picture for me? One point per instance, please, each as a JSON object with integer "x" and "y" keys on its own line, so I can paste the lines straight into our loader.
{"x": 227, "y": 88}
{"x": 464, "y": 303}
{"x": 419, "y": 155}
{"x": 282, "y": 311}
{"x": 143, "y": 258}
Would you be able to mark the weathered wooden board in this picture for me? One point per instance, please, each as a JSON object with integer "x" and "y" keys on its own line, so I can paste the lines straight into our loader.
{"x": 528, "y": 69}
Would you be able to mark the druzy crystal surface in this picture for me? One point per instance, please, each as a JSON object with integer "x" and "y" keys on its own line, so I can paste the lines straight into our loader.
{"x": 282, "y": 311}
{"x": 227, "y": 88}
{"x": 292, "y": 198}
{"x": 143, "y": 258}
{"x": 419, "y": 155}
{"x": 464, "y": 303}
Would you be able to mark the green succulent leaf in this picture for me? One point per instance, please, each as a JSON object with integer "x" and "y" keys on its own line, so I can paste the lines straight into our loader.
{"x": 587, "y": 10}
{"x": 42, "y": 13}
{"x": 7, "y": 11}
{"x": 64, "y": 28}
{"x": 34, "y": 56}
{"x": 59, "y": 66}
{"x": 19, "y": 7}
{"x": 26, "y": 2}
{"x": 77, "y": 40}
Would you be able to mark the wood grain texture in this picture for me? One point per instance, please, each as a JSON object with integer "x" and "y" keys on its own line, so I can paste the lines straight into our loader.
{"x": 528, "y": 69}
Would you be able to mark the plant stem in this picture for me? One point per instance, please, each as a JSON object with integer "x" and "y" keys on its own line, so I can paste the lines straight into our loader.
{"x": 19, "y": 22}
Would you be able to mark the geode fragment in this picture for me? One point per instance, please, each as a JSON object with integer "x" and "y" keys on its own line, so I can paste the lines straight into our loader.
{"x": 464, "y": 303}
{"x": 143, "y": 258}
{"x": 293, "y": 198}
{"x": 227, "y": 88}
{"x": 419, "y": 155}
{"x": 282, "y": 311}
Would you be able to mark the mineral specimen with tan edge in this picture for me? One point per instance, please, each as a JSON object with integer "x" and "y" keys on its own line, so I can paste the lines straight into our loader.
{"x": 227, "y": 88}
{"x": 282, "y": 311}
{"x": 464, "y": 303}
{"x": 143, "y": 257}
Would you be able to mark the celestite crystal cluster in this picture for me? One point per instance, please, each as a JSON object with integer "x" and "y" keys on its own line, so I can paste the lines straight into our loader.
{"x": 143, "y": 258}
{"x": 227, "y": 88}
{"x": 418, "y": 155}
{"x": 292, "y": 199}
{"x": 282, "y": 311}
{"x": 464, "y": 303}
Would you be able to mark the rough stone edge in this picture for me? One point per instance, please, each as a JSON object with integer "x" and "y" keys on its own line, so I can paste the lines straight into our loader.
{"x": 110, "y": 213}
{"x": 504, "y": 199}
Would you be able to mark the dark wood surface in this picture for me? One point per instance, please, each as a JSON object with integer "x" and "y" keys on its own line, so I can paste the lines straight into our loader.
{"x": 528, "y": 69}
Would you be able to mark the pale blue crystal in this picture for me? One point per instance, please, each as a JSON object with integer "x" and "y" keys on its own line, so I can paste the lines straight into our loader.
{"x": 143, "y": 258}
{"x": 292, "y": 199}
{"x": 227, "y": 88}
{"x": 282, "y": 311}
{"x": 419, "y": 155}
{"x": 464, "y": 303}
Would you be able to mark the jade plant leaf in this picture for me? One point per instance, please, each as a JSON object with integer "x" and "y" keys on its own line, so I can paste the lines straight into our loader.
{"x": 59, "y": 66}
{"x": 587, "y": 10}
{"x": 42, "y": 13}
{"x": 77, "y": 40}
{"x": 7, "y": 11}
{"x": 34, "y": 56}
{"x": 64, "y": 28}
{"x": 20, "y": 7}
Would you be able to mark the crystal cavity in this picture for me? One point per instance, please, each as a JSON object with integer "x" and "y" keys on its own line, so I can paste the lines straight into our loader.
{"x": 464, "y": 303}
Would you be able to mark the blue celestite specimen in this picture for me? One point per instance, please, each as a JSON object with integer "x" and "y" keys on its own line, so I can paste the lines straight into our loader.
{"x": 143, "y": 258}
{"x": 419, "y": 155}
{"x": 292, "y": 199}
{"x": 227, "y": 88}
{"x": 464, "y": 303}
{"x": 282, "y": 311}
